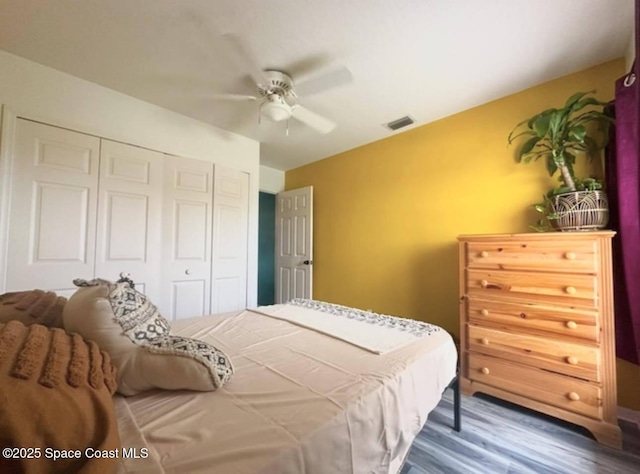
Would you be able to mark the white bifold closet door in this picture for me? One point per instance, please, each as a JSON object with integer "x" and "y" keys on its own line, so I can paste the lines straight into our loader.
{"x": 129, "y": 215}
{"x": 230, "y": 241}
{"x": 54, "y": 193}
{"x": 86, "y": 207}
{"x": 186, "y": 229}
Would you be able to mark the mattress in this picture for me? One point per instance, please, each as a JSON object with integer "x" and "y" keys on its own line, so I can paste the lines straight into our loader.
{"x": 300, "y": 402}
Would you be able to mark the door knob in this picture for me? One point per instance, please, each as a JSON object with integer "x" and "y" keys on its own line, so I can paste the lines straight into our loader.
{"x": 187, "y": 272}
{"x": 308, "y": 262}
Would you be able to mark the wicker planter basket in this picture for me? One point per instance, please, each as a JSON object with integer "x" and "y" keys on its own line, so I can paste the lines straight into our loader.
{"x": 580, "y": 211}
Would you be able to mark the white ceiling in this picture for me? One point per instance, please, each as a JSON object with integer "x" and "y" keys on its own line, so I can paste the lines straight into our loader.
{"x": 423, "y": 58}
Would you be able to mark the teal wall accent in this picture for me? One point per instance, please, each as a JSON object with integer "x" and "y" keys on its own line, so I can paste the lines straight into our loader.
{"x": 266, "y": 249}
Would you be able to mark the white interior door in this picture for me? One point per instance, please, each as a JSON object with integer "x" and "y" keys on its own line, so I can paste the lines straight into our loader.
{"x": 230, "y": 240}
{"x": 294, "y": 244}
{"x": 129, "y": 215}
{"x": 53, "y": 208}
{"x": 186, "y": 236}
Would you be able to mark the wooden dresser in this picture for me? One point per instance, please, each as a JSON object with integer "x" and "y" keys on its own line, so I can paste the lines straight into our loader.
{"x": 536, "y": 325}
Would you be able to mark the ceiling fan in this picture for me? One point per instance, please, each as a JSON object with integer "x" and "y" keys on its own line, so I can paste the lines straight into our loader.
{"x": 278, "y": 92}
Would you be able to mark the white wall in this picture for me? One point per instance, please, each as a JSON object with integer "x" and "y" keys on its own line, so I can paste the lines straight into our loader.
{"x": 271, "y": 180}
{"x": 32, "y": 91}
{"x": 631, "y": 51}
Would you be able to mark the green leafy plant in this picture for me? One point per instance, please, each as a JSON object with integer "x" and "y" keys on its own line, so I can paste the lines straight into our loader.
{"x": 559, "y": 135}
{"x": 544, "y": 208}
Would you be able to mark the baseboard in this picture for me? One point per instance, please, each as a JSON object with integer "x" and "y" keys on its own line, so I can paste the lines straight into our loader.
{"x": 629, "y": 415}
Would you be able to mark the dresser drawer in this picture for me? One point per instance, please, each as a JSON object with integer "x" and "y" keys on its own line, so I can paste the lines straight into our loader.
{"x": 566, "y": 358}
{"x": 563, "y": 255}
{"x": 560, "y": 320}
{"x": 561, "y": 391}
{"x": 558, "y": 288}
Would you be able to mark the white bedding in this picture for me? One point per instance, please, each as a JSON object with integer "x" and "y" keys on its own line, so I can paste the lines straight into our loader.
{"x": 300, "y": 402}
{"x": 373, "y": 332}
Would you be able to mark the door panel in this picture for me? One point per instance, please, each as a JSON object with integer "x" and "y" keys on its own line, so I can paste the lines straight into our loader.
{"x": 192, "y": 232}
{"x": 129, "y": 215}
{"x": 122, "y": 210}
{"x": 51, "y": 241}
{"x": 186, "y": 230}
{"x": 189, "y": 298}
{"x": 230, "y": 240}
{"x": 294, "y": 244}
{"x": 53, "y": 208}
{"x": 284, "y": 285}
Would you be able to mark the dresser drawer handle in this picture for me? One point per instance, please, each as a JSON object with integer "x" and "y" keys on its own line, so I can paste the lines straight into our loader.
{"x": 570, "y": 290}
{"x": 484, "y": 341}
{"x": 485, "y": 371}
{"x": 570, "y": 256}
{"x": 571, "y": 324}
{"x": 484, "y": 254}
{"x": 573, "y": 396}
{"x": 572, "y": 360}
{"x": 484, "y": 312}
{"x": 484, "y": 283}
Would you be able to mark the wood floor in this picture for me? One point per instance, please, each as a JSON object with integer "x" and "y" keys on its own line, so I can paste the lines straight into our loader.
{"x": 498, "y": 437}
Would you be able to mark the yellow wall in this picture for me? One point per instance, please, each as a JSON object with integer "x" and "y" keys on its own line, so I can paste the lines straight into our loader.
{"x": 628, "y": 385}
{"x": 386, "y": 215}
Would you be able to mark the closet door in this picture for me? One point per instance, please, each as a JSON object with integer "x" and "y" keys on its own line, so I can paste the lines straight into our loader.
{"x": 230, "y": 240}
{"x": 129, "y": 215}
{"x": 53, "y": 208}
{"x": 186, "y": 249}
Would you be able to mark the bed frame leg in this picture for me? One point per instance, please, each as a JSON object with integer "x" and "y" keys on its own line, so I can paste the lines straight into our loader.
{"x": 456, "y": 404}
{"x": 457, "y": 415}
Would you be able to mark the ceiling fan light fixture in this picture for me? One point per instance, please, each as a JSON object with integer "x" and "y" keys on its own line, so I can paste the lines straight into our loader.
{"x": 276, "y": 110}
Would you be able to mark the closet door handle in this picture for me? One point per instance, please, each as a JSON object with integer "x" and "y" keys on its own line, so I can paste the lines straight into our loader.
{"x": 308, "y": 262}
{"x": 187, "y": 272}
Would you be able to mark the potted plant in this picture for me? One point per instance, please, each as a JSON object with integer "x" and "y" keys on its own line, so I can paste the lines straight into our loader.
{"x": 558, "y": 136}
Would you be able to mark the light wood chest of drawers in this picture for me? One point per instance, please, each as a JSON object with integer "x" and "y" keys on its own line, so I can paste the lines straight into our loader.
{"x": 536, "y": 324}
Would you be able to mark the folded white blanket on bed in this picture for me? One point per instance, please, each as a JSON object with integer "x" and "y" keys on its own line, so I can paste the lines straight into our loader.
{"x": 377, "y": 333}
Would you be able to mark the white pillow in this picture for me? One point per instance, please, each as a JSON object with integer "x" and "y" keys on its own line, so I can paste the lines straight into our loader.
{"x": 124, "y": 323}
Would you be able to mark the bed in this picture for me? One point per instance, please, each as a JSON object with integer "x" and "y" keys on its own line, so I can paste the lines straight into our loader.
{"x": 302, "y": 400}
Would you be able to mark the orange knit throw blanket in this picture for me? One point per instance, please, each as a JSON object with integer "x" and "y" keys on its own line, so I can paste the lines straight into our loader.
{"x": 55, "y": 392}
{"x": 32, "y": 307}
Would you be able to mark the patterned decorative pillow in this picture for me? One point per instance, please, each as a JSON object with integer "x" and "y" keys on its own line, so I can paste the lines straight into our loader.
{"x": 220, "y": 365}
{"x": 139, "y": 318}
{"x": 130, "y": 328}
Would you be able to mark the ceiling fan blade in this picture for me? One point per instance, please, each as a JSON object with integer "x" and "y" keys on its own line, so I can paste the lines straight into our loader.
{"x": 312, "y": 119}
{"x": 234, "y": 97}
{"x": 305, "y": 68}
{"x": 242, "y": 55}
{"x": 323, "y": 82}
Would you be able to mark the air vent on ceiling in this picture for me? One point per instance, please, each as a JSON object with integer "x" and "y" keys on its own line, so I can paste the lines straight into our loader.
{"x": 400, "y": 123}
